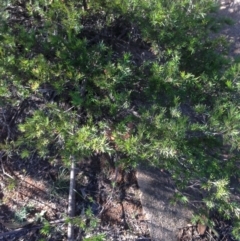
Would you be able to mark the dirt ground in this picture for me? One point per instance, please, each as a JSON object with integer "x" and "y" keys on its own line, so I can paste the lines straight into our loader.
{"x": 231, "y": 9}
{"x": 36, "y": 191}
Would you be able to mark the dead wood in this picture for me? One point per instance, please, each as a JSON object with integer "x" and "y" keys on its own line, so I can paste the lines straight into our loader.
{"x": 71, "y": 200}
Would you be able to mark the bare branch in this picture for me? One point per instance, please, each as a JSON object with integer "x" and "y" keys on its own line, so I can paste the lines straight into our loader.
{"x": 71, "y": 200}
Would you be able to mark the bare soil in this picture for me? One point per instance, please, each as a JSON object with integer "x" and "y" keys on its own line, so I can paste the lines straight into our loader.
{"x": 35, "y": 191}
{"x": 231, "y": 9}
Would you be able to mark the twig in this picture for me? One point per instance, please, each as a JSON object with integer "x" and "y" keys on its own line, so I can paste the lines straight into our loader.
{"x": 28, "y": 227}
{"x": 71, "y": 200}
{"x": 223, "y": 237}
{"x": 16, "y": 231}
{"x": 19, "y": 111}
{"x": 211, "y": 237}
{"x": 188, "y": 226}
{"x": 5, "y": 173}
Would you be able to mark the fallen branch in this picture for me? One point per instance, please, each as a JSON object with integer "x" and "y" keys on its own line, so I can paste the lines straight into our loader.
{"x": 19, "y": 232}
{"x": 23, "y": 230}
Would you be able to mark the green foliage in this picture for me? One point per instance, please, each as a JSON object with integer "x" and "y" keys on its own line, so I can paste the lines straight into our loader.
{"x": 46, "y": 229}
{"x": 179, "y": 197}
{"x": 12, "y": 184}
{"x": 236, "y": 230}
{"x": 21, "y": 215}
{"x": 61, "y": 184}
{"x": 86, "y": 94}
{"x": 100, "y": 237}
{"x": 202, "y": 219}
{"x": 87, "y": 222}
